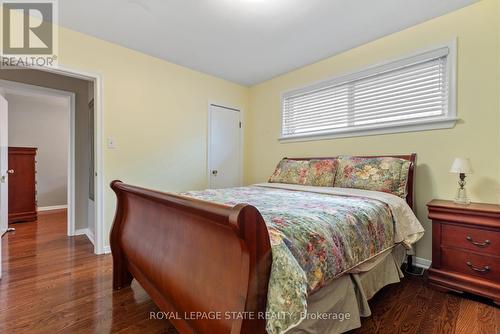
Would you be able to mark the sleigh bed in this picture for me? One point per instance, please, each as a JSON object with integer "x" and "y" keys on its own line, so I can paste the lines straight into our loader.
{"x": 208, "y": 263}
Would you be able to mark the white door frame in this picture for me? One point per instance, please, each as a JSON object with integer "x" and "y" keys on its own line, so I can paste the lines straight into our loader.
{"x": 4, "y": 214}
{"x": 209, "y": 139}
{"x": 98, "y": 149}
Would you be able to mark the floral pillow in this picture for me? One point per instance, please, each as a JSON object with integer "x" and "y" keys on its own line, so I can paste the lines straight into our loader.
{"x": 291, "y": 171}
{"x": 380, "y": 174}
{"x": 305, "y": 172}
{"x": 322, "y": 172}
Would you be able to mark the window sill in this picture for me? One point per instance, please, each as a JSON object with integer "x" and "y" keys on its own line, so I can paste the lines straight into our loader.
{"x": 421, "y": 125}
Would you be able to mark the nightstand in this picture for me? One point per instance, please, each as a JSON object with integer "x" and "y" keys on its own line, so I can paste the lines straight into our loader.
{"x": 465, "y": 248}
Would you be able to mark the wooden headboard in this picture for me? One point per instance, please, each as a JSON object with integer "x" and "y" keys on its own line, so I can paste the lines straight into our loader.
{"x": 410, "y": 186}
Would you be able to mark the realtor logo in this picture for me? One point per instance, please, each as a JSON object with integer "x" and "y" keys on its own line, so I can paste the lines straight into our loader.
{"x": 29, "y": 32}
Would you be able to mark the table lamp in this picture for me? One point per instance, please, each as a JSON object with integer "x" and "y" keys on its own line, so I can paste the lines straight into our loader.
{"x": 461, "y": 166}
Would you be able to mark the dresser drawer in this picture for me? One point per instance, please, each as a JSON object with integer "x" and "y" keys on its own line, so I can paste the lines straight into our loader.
{"x": 486, "y": 267}
{"x": 475, "y": 239}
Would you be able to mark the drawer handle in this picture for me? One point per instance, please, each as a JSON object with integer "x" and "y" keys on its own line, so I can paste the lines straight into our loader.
{"x": 481, "y": 270}
{"x": 479, "y": 244}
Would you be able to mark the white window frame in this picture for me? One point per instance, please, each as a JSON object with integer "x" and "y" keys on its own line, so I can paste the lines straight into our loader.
{"x": 447, "y": 121}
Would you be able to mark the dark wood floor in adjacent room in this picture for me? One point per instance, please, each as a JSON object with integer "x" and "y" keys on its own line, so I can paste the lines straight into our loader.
{"x": 55, "y": 284}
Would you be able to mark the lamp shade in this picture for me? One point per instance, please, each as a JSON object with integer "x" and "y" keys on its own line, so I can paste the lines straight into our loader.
{"x": 461, "y": 165}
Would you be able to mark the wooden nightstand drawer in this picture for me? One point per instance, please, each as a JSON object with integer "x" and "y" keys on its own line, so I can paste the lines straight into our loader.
{"x": 465, "y": 248}
{"x": 468, "y": 263}
{"x": 475, "y": 239}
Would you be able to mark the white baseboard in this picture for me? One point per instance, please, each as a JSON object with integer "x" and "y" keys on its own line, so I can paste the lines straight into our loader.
{"x": 421, "y": 262}
{"x": 49, "y": 208}
{"x": 107, "y": 250}
{"x": 90, "y": 235}
{"x": 81, "y": 231}
{"x": 87, "y": 232}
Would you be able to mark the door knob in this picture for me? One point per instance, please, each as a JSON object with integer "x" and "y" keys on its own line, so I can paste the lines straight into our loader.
{"x": 214, "y": 172}
{"x": 10, "y": 171}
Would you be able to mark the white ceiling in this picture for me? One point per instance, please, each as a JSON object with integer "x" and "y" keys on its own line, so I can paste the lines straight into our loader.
{"x": 247, "y": 41}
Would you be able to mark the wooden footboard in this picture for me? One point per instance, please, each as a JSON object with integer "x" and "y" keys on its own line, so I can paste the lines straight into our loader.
{"x": 199, "y": 261}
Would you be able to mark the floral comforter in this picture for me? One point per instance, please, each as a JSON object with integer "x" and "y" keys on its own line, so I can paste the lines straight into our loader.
{"x": 314, "y": 237}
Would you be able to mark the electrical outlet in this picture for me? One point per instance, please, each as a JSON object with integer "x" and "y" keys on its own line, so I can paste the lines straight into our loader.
{"x": 111, "y": 143}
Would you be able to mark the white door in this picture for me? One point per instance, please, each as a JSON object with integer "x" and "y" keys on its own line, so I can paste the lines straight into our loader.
{"x": 224, "y": 147}
{"x": 4, "y": 146}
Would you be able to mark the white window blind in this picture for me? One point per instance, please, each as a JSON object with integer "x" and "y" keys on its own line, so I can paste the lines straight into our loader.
{"x": 400, "y": 93}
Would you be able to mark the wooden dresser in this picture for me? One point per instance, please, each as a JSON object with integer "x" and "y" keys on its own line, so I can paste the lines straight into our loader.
{"x": 465, "y": 248}
{"x": 22, "y": 184}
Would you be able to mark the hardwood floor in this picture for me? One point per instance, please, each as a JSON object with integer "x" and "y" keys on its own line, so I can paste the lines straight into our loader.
{"x": 412, "y": 307}
{"x": 55, "y": 284}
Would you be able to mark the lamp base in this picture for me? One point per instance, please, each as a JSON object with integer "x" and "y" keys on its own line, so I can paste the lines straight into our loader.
{"x": 462, "y": 201}
{"x": 461, "y": 197}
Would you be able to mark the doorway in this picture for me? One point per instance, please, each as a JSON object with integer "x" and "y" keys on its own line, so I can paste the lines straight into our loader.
{"x": 83, "y": 93}
{"x": 43, "y": 120}
{"x": 40, "y": 120}
{"x": 224, "y": 147}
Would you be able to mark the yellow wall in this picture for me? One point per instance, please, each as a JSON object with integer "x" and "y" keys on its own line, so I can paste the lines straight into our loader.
{"x": 156, "y": 111}
{"x": 476, "y": 135}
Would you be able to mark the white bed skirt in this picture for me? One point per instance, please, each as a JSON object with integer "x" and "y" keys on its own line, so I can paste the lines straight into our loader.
{"x": 349, "y": 294}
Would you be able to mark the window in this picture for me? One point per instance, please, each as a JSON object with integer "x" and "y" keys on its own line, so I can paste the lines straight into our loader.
{"x": 406, "y": 95}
